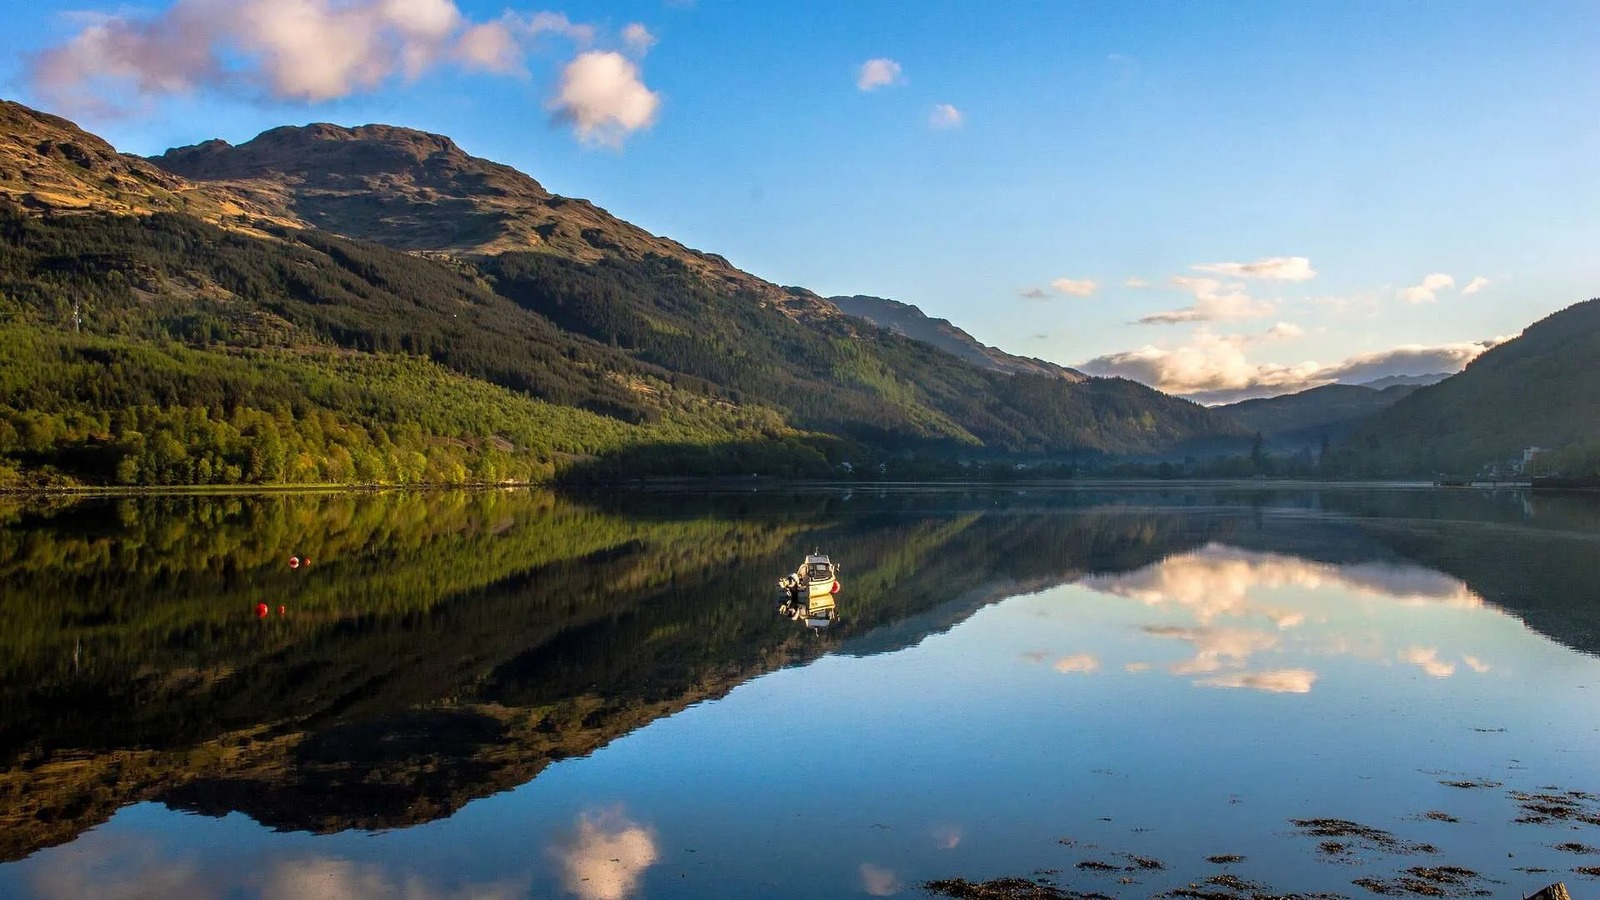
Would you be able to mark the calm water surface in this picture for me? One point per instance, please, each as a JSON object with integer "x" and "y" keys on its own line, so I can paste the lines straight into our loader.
{"x": 519, "y": 694}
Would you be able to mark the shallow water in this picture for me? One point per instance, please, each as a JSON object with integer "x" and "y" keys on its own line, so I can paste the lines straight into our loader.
{"x": 515, "y": 694}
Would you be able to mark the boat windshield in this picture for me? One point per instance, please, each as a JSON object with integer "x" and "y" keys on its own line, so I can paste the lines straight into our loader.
{"x": 819, "y": 570}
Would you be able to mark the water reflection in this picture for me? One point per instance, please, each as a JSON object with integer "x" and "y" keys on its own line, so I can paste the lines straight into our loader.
{"x": 878, "y": 881}
{"x": 606, "y": 855}
{"x": 1249, "y": 604}
{"x": 448, "y": 647}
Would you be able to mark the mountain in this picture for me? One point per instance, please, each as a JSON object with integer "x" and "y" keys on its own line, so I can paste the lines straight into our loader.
{"x": 1390, "y": 381}
{"x": 49, "y": 165}
{"x": 903, "y": 318}
{"x": 411, "y": 190}
{"x": 1307, "y": 418}
{"x": 1541, "y": 389}
{"x": 161, "y": 334}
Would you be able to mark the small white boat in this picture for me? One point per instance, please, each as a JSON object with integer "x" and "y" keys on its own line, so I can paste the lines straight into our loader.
{"x": 816, "y": 577}
{"x": 809, "y": 593}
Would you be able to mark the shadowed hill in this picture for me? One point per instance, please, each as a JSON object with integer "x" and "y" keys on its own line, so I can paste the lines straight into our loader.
{"x": 1307, "y": 418}
{"x": 1541, "y": 389}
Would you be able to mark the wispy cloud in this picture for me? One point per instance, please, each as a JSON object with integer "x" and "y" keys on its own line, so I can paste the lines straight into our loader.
{"x": 877, "y": 73}
{"x": 1075, "y": 287}
{"x": 1475, "y": 285}
{"x": 945, "y": 116}
{"x": 638, "y": 38}
{"x": 604, "y": 99}
{"x": 1135, "y": 281}
{"x": 1274, "y": 681}
{"x": 1428, "y": 290}
{"x": 1275, "y": 268}
{"x": 1079, "y": 663}
{"x": 1214, "y": 301}
{"x": 1427, "y": 659}
{"x": 1033, "y": 293}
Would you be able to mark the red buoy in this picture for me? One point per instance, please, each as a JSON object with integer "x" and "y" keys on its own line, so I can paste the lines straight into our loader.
{"x": 294, "y": 562}
{"x": 261, "y": 610}
{"x": 282, "y": 610}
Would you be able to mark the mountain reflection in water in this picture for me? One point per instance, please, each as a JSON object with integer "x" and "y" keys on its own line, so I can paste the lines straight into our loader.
{"x": 443, "y": 647}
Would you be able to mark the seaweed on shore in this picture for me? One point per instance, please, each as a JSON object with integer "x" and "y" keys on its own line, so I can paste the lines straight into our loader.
{"x": 1554, "y": 805}
{"x": 1356, "y": 833}
{"x": 1428, "y": 881}
{"x": 1007, "y": 889}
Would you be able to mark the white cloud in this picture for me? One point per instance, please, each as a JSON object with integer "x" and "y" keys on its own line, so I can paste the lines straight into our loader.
{"x": 603, "y": 97}
{"x": 1134, "y": 668}
{"x": 1213, "y": 368}
{"x": 1275, "y": 681}
{"x": 556, "y": 23}
{"x": 1214, "y": 302}
{"x": 1285, "y": 331}
{"x": 1427, "y": 291}
{"x": 301, "y": 50}
{"x": 1075, "y": 287}
{"x": 945, "y": 116}
{"x": 1135, "y": 281}
{"x": 1427, "y": 658}
{"x": 491, "y": 47}
{"x": 878, "y": 881}
{"x": 1082, "y": 662}
{"x": 1475, "y": 664}
{"x": 1475, "y": 285}
{"x": 607, "y": 855}
{"x": 638, "y": 38}
{"x": 877, "y": 73}
{"x": 1276, "y": 268}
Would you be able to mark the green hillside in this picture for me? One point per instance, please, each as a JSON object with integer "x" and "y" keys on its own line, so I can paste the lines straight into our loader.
{"x": 1541, "y": 389}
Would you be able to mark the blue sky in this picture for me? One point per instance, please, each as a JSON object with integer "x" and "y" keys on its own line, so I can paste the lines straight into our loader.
{"x": 1300, "y": 169}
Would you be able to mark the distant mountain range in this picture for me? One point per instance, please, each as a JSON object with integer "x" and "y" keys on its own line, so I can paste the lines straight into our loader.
{"x": 1408, "y": 380}
{"x": 1312, "y": 418}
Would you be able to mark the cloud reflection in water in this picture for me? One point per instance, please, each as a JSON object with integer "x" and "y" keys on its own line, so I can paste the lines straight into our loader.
{"x": 606, "y": 856}
{"x": 1219, "y": 582}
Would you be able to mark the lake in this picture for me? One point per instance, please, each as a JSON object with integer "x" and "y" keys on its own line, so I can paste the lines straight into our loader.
{"x": 1192, "y": 691}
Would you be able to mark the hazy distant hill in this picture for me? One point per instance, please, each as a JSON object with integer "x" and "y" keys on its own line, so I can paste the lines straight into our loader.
{"x": 1307, "y": 418}
{"x": 1541, "y": 389}
{"x": 1411, "y": 380}
{"x": 903, "y": 318}
{"x": 569, "y": 339}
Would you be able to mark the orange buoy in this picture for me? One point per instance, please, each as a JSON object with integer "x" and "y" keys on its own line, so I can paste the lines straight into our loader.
{"x": 261, "y": 610}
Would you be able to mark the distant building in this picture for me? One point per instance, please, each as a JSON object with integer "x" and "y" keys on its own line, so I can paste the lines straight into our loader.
{"x": 1527, "y": 457}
